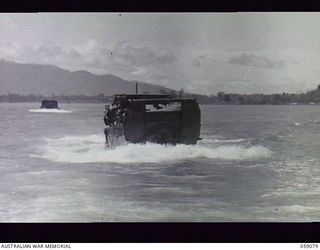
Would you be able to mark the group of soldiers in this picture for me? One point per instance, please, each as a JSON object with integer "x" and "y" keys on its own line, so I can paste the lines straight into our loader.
{"x": 113, "y": 117}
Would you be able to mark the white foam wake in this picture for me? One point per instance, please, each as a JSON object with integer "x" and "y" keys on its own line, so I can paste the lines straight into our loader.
{"x": 213, "y": 140}
{"x": 89, "y": 149}
{"x": 61, "y": 111}
{"x": 297, "y": 124}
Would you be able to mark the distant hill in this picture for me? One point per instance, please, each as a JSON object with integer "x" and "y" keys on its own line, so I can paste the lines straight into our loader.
{"x": 39, "y": 79}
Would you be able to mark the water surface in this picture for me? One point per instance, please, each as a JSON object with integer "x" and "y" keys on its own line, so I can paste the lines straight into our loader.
{"x": 255, "y": 163}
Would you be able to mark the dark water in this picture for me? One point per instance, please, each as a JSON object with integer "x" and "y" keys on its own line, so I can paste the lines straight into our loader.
{"x": 255, "y": 163}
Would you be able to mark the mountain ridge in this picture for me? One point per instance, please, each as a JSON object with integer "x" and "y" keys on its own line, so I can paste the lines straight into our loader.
{"x": 46, "y": 79}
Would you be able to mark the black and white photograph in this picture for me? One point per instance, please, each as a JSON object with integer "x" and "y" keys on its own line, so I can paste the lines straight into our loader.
{"x": 159, "y": 117}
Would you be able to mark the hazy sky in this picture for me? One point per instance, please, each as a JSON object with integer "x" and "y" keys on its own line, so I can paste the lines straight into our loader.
{"x": 200, "y": 52}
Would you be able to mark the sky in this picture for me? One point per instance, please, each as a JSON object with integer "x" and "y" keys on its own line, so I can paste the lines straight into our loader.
{"x": 200, "y": 52}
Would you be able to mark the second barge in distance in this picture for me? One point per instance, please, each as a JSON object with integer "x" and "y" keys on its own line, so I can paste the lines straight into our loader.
{"x": 154, "y": 118}
{"x": 49, "y": 104}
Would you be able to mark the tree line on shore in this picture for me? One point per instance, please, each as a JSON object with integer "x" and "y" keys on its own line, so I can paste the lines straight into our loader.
{"x": 100, "y": 98}
{"x": 310, "y": 97}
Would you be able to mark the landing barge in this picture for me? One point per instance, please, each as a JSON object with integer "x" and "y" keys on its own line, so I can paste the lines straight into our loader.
{"x": 161, "y": 119}
{"x": 49, "y": 104}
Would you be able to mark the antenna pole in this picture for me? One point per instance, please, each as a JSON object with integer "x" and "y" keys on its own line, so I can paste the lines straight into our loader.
{"x": 136, "y": 88}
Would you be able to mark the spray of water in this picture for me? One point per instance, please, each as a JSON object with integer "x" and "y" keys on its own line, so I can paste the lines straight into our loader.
{"x": 59, "y": 111}
{"x": 90, "y": 149}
